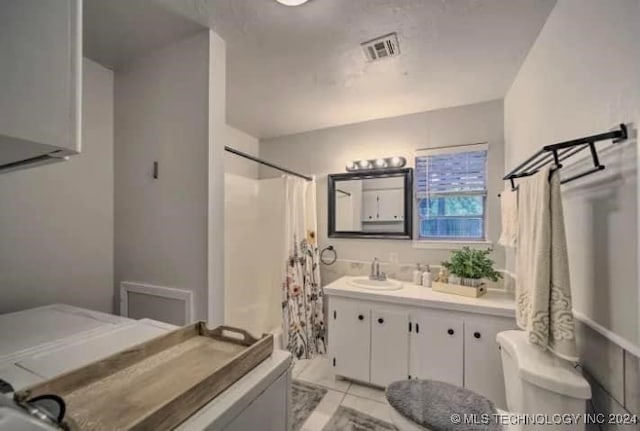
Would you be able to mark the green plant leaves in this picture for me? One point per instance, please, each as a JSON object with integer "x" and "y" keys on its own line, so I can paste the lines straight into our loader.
{"x": 475, "y": 264}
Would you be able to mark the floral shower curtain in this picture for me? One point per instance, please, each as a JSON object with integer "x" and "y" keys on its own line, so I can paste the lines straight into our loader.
{"x": 302, "y": 296}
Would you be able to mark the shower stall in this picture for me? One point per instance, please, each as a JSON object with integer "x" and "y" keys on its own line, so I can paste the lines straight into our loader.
{"x": 254, "y": 246}
{"x": 272, "y": 279}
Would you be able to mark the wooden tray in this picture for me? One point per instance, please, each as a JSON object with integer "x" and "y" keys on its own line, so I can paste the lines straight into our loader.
{"x": 157, "y": 384}
{"x": 457, "y": 289}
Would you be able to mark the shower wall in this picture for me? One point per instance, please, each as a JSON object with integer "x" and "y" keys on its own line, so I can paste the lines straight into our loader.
{"x": 254, "y": 252}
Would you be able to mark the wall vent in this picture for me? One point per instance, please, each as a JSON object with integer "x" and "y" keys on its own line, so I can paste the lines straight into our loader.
{"x": 381, "y": 47}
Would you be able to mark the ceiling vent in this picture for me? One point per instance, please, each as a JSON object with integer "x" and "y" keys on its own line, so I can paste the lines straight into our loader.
{"x": 381, "y": 47}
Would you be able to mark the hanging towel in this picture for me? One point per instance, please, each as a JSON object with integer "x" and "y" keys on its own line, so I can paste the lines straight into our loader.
{"x": 509, "y": 205}
{"x": 543, "y": 294}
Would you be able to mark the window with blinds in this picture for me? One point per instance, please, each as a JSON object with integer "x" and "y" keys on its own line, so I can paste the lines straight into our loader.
{"x": 451, "y": 190}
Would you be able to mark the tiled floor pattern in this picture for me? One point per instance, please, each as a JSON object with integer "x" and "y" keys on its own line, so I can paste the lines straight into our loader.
{"x": 367, "y": 400}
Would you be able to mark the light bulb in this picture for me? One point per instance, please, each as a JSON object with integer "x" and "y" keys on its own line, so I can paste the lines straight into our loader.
{"x": 380, "y": 163}
{"x": 397, "y": 162}
{"x": 292, "y": 2}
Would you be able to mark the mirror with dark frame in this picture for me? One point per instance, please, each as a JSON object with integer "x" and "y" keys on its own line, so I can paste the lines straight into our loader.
{"x": 373, "y": 204}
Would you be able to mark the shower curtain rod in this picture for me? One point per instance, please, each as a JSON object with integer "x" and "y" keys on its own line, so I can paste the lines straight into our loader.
{"x": 264, "y": 162}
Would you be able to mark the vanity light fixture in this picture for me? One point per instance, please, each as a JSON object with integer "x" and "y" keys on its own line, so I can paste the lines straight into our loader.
{"x": 376, "y": 164}
{"x": 292, "y": 2}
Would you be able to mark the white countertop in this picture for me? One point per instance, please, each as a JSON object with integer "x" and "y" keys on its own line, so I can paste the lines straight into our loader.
{"x": 494, "y": 302}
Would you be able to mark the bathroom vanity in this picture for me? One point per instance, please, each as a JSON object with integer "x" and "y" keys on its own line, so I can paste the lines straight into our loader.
{"x": 379, "y": 336}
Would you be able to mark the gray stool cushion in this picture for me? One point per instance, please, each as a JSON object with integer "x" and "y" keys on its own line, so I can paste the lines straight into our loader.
{"x": 430, "y": 404}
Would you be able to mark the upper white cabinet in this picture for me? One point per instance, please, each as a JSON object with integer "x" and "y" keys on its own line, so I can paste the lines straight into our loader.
{"x": 383, "y": 200}
{"x": 370, "y": 202}
{"x": 40, "y": 77}
{"x": 391, "y": 205}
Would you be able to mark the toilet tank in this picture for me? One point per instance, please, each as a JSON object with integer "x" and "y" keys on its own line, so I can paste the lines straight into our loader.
{"x": 537, "y": 381}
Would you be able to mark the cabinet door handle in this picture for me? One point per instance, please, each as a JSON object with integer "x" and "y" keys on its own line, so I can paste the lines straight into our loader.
{"x": 380, "y": 320}
{"x": 360, "y": 317}
{"x": 476, "y": 334}
{"x": 451, "y": 332}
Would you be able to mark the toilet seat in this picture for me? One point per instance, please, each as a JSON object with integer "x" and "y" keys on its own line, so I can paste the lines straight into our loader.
{"x": 433, "y": 405}
{"x": 404, "y": 424}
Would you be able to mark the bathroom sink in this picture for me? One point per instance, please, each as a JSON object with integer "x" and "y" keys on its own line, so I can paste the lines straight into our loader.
{"x": 366, "y": 283}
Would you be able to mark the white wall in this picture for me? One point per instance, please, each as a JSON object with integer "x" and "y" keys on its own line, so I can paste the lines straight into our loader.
{"x": 162, "y": 113}
{"x": 246, "y": 143}
{"x": 582, "y": 77}
{"x": 215, "y": 199}
{"x": 56, "y": 221}
{"x": 327, "y": 151}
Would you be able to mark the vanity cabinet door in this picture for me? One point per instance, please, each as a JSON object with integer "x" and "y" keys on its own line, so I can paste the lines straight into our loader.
{"x": 482, "y": 362}
{"x": 436, "y": 348}
{"x": 389, "y": 346}
{"x": 349, "y": 338}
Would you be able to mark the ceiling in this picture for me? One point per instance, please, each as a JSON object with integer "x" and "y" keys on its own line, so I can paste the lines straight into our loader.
{"x": 117, "y": 31}
{"x": 294, "y": 69}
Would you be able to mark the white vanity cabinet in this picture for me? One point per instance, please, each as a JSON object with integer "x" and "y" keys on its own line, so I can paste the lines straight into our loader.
{"x": 482, "y": 353}
{"x": 40, "y": 71}
{"x": 350, "y": 338}
{"x": 437, "y": 348}
{"x": 389, "y": 346}
{"x": 382, "y": 337}
{"x": 369, "y": 344}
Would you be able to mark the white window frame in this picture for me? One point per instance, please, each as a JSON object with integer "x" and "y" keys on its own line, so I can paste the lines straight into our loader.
{"x": 452, "y": 244}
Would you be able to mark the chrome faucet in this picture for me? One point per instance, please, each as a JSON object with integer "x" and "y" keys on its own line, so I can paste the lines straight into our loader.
{"x": 375, "y": 271}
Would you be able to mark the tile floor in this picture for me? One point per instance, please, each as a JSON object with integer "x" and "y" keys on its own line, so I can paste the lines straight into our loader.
{"x": 365, "y": 399}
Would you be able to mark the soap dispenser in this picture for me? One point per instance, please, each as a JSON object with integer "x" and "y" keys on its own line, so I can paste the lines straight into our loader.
{"x": 426, "y": 277}
{"x": 417, "y": 275}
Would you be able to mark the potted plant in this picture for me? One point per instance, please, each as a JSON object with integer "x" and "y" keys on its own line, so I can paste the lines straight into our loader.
{"x": 469, "y": 267}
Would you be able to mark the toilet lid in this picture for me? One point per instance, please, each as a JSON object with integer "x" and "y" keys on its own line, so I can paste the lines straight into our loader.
{"x": 431, "y": 404}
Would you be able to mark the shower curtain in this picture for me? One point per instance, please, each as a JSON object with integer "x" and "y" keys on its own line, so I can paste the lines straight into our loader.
{"x": 302, "y": 295}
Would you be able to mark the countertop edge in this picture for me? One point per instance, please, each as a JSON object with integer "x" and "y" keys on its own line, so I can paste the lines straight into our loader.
{"x": 491, "y": 310}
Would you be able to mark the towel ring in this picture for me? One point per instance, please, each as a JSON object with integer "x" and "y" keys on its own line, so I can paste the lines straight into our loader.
{"x": 329, "y": 261}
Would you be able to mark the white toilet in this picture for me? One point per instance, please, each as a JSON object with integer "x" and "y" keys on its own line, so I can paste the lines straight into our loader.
{"x": 536, "y": 382}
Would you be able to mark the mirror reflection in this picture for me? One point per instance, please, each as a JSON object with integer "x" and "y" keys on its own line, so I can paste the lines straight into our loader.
{"x": 365, "y": 205}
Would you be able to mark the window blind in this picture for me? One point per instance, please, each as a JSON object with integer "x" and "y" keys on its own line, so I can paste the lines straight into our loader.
{"x": 450, "y": 187}
{"x": 459, "y": 172}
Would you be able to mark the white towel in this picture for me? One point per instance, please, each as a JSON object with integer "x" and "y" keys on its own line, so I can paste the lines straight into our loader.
{"x": 543, "y": 293}
{"x": 509, "y": 205}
